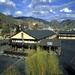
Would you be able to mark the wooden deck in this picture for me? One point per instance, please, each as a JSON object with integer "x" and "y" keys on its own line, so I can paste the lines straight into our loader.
{"x": 17, "y": 52}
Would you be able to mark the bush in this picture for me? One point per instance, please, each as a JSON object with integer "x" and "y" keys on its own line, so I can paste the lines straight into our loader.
{"x": 11, "y": 71}
{"x": 42, "y": 63}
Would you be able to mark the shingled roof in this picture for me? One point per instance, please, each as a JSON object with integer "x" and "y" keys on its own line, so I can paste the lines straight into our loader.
{"x": 39, "y": 34}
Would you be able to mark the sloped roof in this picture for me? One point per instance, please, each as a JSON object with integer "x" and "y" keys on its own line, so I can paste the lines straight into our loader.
{"x": 22, "y": 35}
{"x": 39, "y": 34}
{"x": 67, "y": 32}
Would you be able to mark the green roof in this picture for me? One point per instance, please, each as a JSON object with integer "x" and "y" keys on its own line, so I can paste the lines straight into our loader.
{"x": 39, "y": 34}
{"x": 67, "y": 32}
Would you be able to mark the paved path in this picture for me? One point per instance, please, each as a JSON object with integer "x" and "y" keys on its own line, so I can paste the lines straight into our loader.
{"x": 7, "y": 62}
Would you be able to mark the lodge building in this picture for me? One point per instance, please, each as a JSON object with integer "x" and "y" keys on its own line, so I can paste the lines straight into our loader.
{"x": 45, "y": 39}
{"x": 31, "y": 39}
{"x": 66, "y": 35}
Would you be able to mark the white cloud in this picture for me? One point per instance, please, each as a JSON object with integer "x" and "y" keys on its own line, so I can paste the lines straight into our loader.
{"x": 7, "y": 12}
{"x": 43, "y": 12}
{"x": 51, "y": 10}
{"x": 50, "y": 0}
{"x": 2, "y": 1}
{"x": 66, "y": 10}
{"x": 11, "y": 3}
{"x": 8, "y": 3}
{"x": 30, "y": 5}
{"x": 44, "y": 0}
{"x": 18, "y": 13}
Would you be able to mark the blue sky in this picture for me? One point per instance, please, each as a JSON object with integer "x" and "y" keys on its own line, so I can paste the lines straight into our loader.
{"x": 44, "y": 9}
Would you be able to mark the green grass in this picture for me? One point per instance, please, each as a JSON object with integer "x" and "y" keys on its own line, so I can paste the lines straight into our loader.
{"x": 42, "y": 63}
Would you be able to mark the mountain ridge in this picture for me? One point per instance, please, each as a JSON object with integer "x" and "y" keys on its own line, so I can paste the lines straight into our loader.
{"x": 68, "y": 23}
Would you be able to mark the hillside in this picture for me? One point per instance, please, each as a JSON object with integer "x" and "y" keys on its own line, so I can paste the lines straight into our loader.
{"x": 6, "y": 19}
{"x": 68, "y": 24}
{"x": 12, "y": 23}
{"x": 31, "y": 21}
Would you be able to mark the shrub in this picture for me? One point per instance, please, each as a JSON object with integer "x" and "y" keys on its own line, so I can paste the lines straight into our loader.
{"x": 42, "y": 63}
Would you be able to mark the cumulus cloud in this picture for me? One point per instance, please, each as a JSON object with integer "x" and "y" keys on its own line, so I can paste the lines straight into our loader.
{"x": 11, "y": 3}
{"x": 66, "y": 10}
{"x": 51, "y": 10}
{"x": 2, "y": 1}
{"x": 8, "y": 3}
{"x": 18, "y": 13}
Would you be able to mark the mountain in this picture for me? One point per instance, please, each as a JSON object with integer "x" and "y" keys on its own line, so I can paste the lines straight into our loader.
{"x": 57, "y": 25}
{"x": 68, "y": 24}
{"x": 20, "y": 20}
{"x": 31, "y": 19}
{"x": 6, "y": 19}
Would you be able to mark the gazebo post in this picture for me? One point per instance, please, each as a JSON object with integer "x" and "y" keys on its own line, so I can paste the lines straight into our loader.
{"x": 22, "y": 35}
